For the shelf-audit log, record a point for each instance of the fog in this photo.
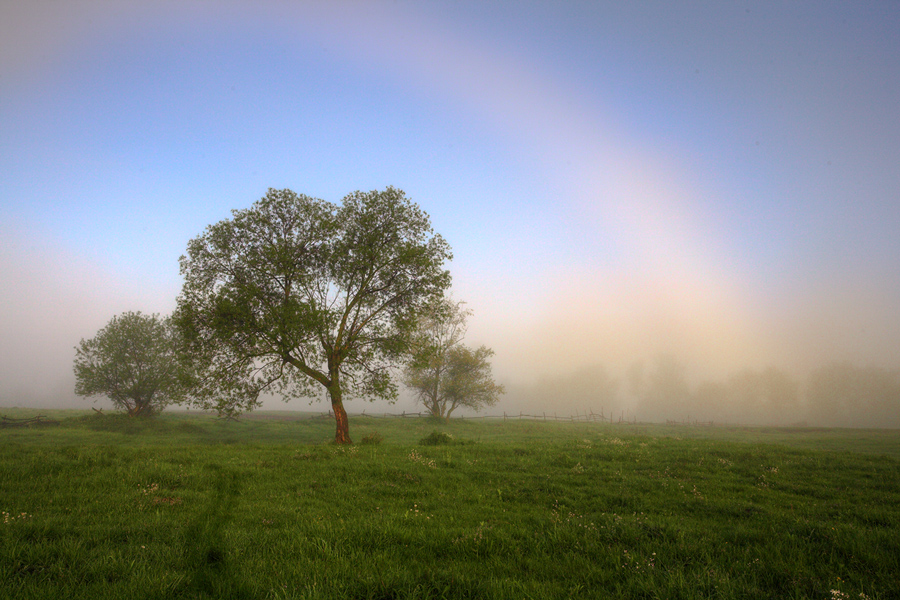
(51, 299)
(680, 222)
(625, 352)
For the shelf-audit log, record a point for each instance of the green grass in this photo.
(187, 506)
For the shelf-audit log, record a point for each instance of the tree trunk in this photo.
(450, 409)
(342, 432)
(138, 409)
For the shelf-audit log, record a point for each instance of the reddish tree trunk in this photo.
(342, 425)
(342, 434)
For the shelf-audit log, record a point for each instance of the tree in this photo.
(767, 395)
(845, 395)
(470, 382)
(667, 393)
(134, 361)
(587, 386)
(299, 296)
(444, 373)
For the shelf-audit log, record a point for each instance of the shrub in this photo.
(437, 438)
(372, 438)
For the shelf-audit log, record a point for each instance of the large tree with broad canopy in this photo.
(298, 296)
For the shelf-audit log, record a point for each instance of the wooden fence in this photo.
(691, 423)
(38, 421)
(586, 417)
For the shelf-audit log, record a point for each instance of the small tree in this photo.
(134, 361)
(299, 296)
(470, 382)
(444, 373)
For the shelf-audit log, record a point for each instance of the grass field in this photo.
(187, 506)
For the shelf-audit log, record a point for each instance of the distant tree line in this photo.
(839, 394)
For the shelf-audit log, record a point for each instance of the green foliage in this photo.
(542, 510)
(134, 361)
(437, 438)
(469, 380)
(444, 373)
(299, 297)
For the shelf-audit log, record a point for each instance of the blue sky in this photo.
(717, 180)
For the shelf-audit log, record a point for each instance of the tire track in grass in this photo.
(210, 568)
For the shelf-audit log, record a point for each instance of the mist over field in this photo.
(559, 366)
(553, 367)
(662, 212)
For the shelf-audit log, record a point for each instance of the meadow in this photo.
(189, 506)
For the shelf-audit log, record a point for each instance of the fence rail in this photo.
(691, 423)
(39, 420)
(586, 417)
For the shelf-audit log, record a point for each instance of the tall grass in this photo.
(191, 507)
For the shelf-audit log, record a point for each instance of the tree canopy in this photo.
(298, 296)
(843, 394)
(134, 361)
(444, 373)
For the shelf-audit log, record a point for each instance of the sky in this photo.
(713, 180)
